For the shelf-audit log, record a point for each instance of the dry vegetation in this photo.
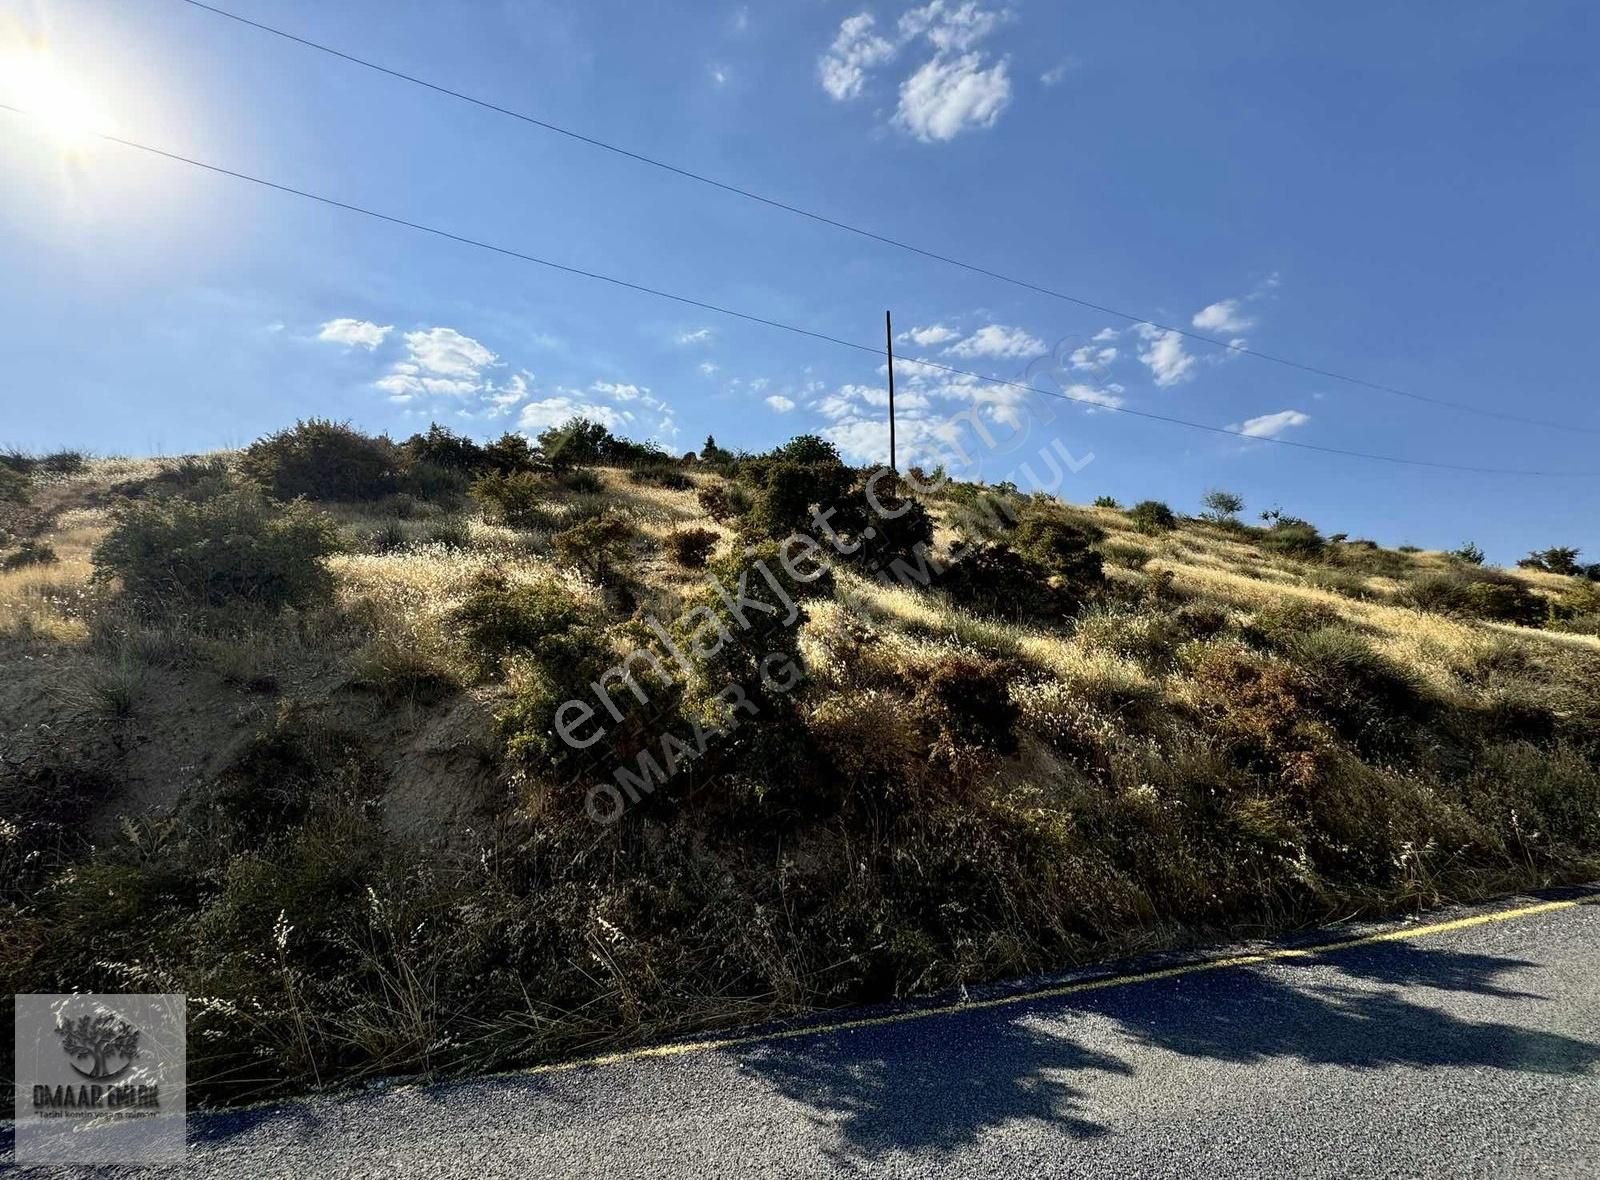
(298, 762)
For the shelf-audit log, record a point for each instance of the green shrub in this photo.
(1106, 502)
(691, 548)
(970, 695)
(323, 460)
(13, 486)
(717, 503)
(519, 499)
(236, 547)
(441, 447)
(1222, 507)
(580, 442)
(997, 580)
(509, 453)
(1367, 699)
(790, 493)
(439, 484)
(1468, 553)
(1293, 538)
(584, 482)
(900, 544)
(29, 553)
(661, 475)
(1475, 594)
(499, 619)
(1152, 516)
(1351, 585)
(597, 546)
(1063, 548)
(1561, 559)
(1127, 555)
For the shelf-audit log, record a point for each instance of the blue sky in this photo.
(1405, 193)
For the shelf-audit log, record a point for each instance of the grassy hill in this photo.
(283, 732)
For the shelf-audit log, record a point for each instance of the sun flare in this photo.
(35, 83)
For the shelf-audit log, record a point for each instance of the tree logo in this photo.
(101, 1039)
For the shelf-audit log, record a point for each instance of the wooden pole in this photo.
(888, 343)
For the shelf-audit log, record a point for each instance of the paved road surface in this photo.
(1469, 1051)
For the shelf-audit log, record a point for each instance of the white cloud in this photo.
(949, 95)
(698, 336)
(354, 333)
(1090, 357)
(621, 391)
(780, 404)
(856, 49)
(719, 75)
(948, 27)
(709, 369)
(929, 336)
(1054, 76)
(999, 341)
(1105, 334)
(1093, 396)
(1164, 355)
(439, 362)
(1271, 425)
(553, 411)
(1225, 315)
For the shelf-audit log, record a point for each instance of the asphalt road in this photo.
(1469, 1051)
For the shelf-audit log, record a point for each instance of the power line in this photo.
(883, 239)
(749, 317)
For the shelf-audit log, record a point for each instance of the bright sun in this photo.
(33, 82)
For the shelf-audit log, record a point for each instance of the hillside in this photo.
(290, 730)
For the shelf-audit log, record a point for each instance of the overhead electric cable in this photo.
(882, 239)
(787, 327)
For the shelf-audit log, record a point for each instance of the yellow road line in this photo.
(1398, 934)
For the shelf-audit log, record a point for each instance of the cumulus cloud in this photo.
(948, 27)
(697, 336)
(439, 362)
(780, 404)
(1271, 425)
(1090, 395)
(354, 333)
(1225, 315)
(997, 340)
(553, 411)
(949, 95)
(1165, 356)
(1090, 357)
(857, 48)
(929, 336)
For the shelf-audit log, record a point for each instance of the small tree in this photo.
(1468, 553)
(1222, 507)
(1561, 559)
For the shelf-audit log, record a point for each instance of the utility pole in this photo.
(888, 344)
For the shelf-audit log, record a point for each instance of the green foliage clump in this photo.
(1222, 507)
(722, 502)
(323, 460)
(1064, 548)
(1290, 536)
(899, 546)
(1475, 594)
(581, 442)
(996, 580)
(499, 619)
(1559, 559)
(691, 548)
(29, 553)
(1469, 553)
(970, 696)
(1152, 516)
(234, 548)
(661, 475)
(520, 499)
(442, 447)
(790, 493)
(1106, 502)
(597, 545)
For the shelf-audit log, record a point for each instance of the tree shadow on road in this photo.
(940, 1083)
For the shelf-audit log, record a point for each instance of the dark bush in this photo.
(519, 499)
(661, 475)
(1293, 538)
(1106, 502)
(808, 450)
(1064, 548)
(971, 697)
(790, 493)
(997, 580)
(1152, 516)
(597, 546)
(13, 486)
(1475, 594)
(583, 443)
(1561, 559)
(583, 481)
(900, 544)
(723, 502)
(1468, 553)
(435, 483)
(691, 548)
(510, 453)
(499, 619)
(236, 547)
(442, 447)
(323, 460)
(1367, 699)
(29, 553)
